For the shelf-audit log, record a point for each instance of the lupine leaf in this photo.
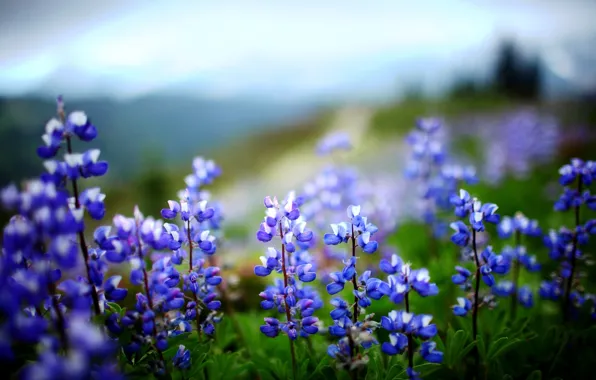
(424, 369)
(394, 370)
(320, 367)
(535, 375)
(454, 350)
(500, 346)
(481, 347)
(374, 365)
(115, 308)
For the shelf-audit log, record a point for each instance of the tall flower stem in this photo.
(354, 281)
(410, 339)
(60, 320)
(353, 347)
(82, 242)
(288, 315)
(194, 295)
(475, 306)
(567, 302)
(147, 289)
(515, 271)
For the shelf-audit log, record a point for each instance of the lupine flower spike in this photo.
(404, 326)
(486, 263)
(564, 245)
(351, 331)
(42, 310)
(517, 226)
(297, 302)
(437, 179)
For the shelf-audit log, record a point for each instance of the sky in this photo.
(271, 48)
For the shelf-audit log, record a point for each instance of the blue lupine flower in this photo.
(577, 168)
(570, 198)
(550, 290)
(182, 358)
(112, 292)
(397, 344)
(503, 288)
(340, 234)
(40, 246)
(400, 324)
(508, 226)
(293, 262)
(339, 279)
(92, 199)
(393, 266)
(483, 212)
(462, 203)
(525, 296)
(462, 276)
(429, 353)
(270, 262)
(333, 142)
(564, 244)
(463, 307)
(462, 234)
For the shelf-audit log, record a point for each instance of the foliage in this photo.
(62, 316)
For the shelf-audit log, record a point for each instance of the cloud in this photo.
(307, 45)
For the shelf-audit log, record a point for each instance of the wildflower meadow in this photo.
(443, 270)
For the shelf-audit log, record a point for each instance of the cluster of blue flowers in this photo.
(517, 226)
(565, 244)
(486, 263)
(437, 179)
(43, 243)
(403, 326)
(46, 304)
(55, 287)
(288, 296)
(347, 326)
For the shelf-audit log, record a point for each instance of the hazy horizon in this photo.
(275, 50)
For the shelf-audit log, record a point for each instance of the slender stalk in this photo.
(288, 315)
(567, 304)
(194, 295)
(60, 321)
(353, 348)
(147, 289)
(82, 242)
(410, 339)
(475, 306)
(354, 281)
(515, 273)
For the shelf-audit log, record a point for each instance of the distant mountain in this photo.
(175, 128)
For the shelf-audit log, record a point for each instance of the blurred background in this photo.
(254, 85)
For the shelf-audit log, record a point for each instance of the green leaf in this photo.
(302, 370)
(319, 368)
(114, 307)
(535, 375)
(426, 369)
(481, 347)
(456, 348)
(500, 346)
(394, 371)
(375, 365)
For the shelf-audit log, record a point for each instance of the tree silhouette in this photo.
(515, 76)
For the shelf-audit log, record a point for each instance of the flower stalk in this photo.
(286, 306)
(569, 285)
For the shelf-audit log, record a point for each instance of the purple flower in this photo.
(462, 235)
(463, 307)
